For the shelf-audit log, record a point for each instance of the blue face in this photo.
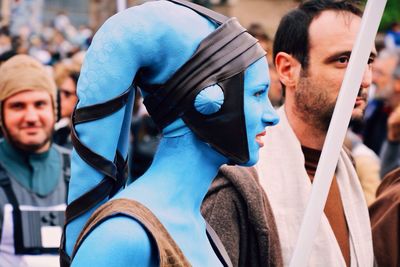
(258, 110)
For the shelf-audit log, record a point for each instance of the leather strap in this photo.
(224, 53)
(98, 111)
(5, 183)
(101, 164)
(218, 246)
(210, 14)
(115, 172)
(66, 163)
(210, 47)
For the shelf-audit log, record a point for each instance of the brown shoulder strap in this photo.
(169, 252)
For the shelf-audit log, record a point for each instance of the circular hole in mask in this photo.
(209, 100)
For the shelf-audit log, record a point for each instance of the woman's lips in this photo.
(259, 140)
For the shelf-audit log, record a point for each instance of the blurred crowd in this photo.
(61, 47)
(59, 42)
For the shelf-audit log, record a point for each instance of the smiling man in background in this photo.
(33, 171)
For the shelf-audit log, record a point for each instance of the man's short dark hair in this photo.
(292, 34)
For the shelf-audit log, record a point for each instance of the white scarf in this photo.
(285, 180)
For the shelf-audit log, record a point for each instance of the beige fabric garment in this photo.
(285, 180)
(368, 169)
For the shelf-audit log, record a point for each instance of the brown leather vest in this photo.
(169, 252)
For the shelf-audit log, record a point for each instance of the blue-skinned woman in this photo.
(205, 84)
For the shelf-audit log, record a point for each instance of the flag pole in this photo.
(121, 5)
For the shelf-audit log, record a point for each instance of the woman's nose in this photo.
(270, 117)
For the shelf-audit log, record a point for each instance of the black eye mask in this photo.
(221, 58)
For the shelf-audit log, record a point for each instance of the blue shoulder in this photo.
(117, 242)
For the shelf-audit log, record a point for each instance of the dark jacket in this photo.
(237, 208)
(385, 221)
(375, 124)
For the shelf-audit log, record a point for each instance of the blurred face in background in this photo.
(382, 70)
(5, 43)
(68, 96)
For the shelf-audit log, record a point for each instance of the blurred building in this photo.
(95, 12)
(77, 10)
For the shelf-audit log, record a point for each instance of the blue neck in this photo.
(181, 173)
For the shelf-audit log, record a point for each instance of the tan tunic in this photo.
(333, 207)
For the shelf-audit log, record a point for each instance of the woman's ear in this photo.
(288, 69)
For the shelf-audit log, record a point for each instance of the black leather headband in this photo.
(227, 51)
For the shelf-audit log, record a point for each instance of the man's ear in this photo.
(288, 69)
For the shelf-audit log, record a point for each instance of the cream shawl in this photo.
(284, 178)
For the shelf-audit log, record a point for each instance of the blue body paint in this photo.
(161, 37)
